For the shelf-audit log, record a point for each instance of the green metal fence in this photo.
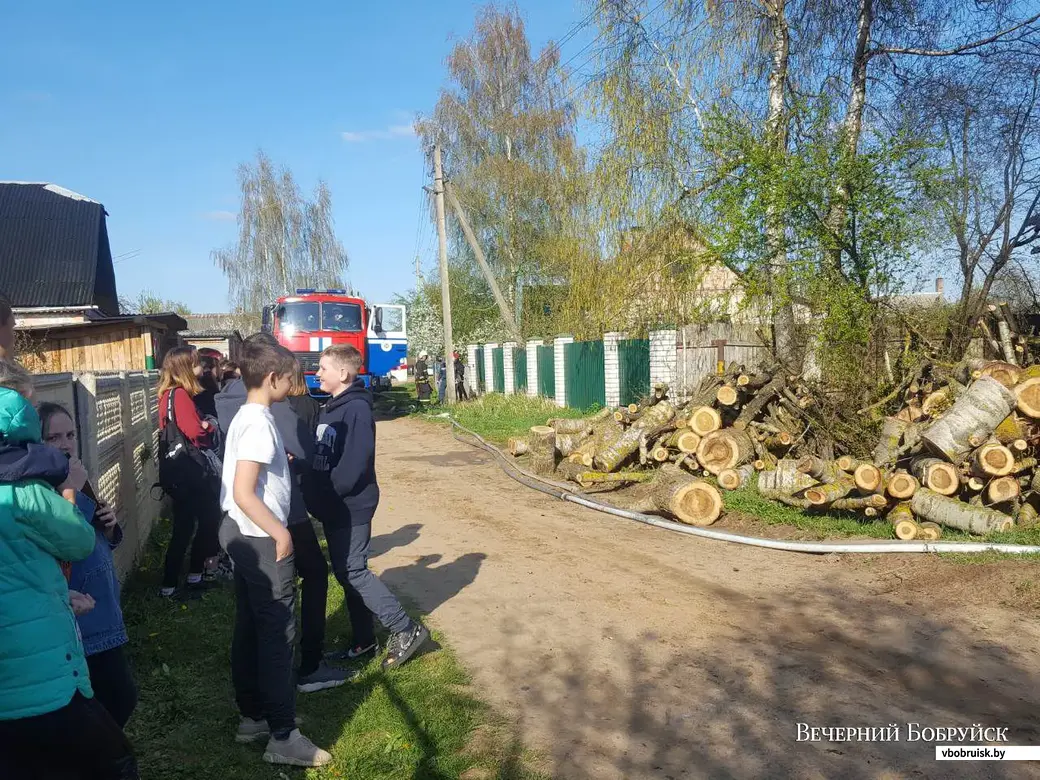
(520, 370)
(481, 377)
(498, 370)
(586, 384)
(634, 369)
(546, 371)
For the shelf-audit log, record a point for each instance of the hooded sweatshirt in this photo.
(344, 479)
(41, 656)
(298, 440)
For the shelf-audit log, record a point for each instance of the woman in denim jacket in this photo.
(103, 630)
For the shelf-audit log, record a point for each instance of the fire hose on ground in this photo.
(565, 492)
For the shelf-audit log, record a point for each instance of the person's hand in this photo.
(77, 476)
(81, 603)
(106, 516)
(282, 545)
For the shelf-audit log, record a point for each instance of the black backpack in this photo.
(182, 465)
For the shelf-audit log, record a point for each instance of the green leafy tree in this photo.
(148, 302)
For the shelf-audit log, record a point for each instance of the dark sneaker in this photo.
(353, 653)
(297, 750)
(324, 677)
(404, 645)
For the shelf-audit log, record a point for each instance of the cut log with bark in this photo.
(727, 395)
(993, 459)
(903, 523)
(868, 478)
(688, 500)
(731, 479)
(725, 449)
(616, 449)
(1027, 516)
(754, 407)
(952, 513)
(517, 446)
(567, 425)
(542, 446)
(902, 486)
(973, 416)
(928, 531)
(567, 443)
(703, 420)
(830, 492)
(885, 453)
(937, 475)
(859, 503)
(1027, 395)
(1003, 489)
(1008, 374)
(784, 479)
(819, 469)
(683, 440)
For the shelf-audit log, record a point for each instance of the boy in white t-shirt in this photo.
(254, 494)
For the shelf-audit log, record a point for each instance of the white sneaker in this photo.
(297, 750)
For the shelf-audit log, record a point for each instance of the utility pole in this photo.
(503, 305)
(442, 241)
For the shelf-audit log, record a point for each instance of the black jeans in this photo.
(80, 741)
(191, 507)
(113, 683)
(365, 592)
(265, 629)
(313, 570)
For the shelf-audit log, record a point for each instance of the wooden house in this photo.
(56, 272)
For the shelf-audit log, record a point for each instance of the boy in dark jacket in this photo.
(344, 497)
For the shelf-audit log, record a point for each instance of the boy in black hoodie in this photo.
(344, 496)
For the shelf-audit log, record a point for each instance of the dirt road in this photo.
(622, 651)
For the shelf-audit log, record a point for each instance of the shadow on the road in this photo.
(402, 537)
(431, 585)
(732, 709)
(450, 459)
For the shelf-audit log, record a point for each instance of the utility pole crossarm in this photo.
(503, 304)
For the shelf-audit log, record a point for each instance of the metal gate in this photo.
(520, 370)
(481, 377)
(498, 370)
(634, 370)
(546, 371)
(586, 384)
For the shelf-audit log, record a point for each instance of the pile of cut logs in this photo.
(961, 453)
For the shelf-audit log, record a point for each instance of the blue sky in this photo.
(149, 108)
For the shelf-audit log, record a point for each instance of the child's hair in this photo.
(178, 370)
(258, 361)
(13, 376)
(299, 383)
(47, 410)
(345, 356)
(262, 338)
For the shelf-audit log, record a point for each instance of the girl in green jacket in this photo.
(50, 721)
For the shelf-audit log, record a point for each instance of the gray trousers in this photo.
(265, 629)
(366, 595)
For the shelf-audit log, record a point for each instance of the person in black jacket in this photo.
(296, 420)
(344, 495)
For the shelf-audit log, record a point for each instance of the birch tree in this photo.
(284, 240)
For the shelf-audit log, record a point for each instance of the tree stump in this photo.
(542, 446)
(973, 417)
(952, 513)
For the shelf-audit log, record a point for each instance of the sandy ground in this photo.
(622, 651)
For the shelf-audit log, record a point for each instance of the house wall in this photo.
(96, 349)
(221, 345)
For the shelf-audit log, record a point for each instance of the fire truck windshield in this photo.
(341, 317)
(298, 318)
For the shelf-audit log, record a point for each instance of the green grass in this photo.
(419, 721)
(496, 417)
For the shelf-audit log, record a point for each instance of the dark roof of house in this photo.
(54, 249)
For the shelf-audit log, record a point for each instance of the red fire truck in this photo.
(311, 320)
